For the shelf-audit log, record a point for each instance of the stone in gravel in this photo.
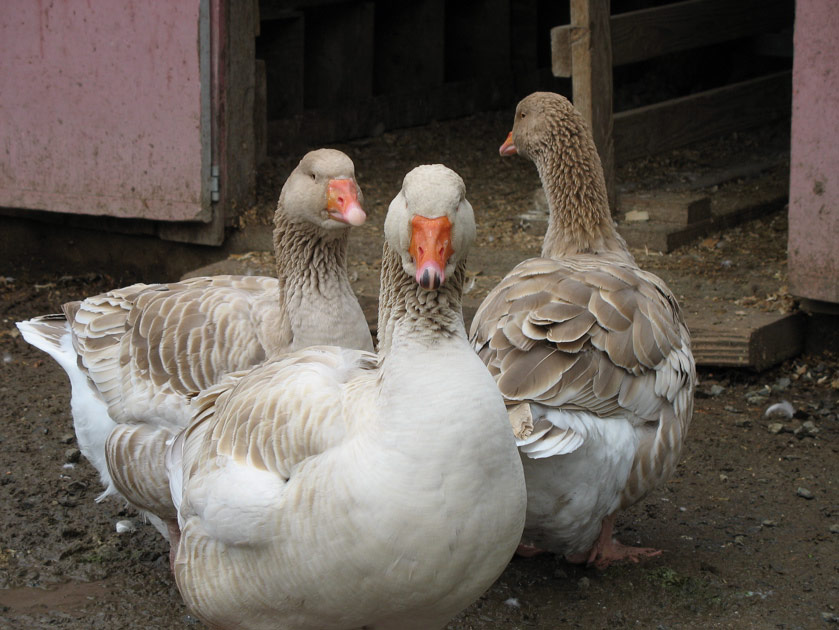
(829, 617)
(782, 383)
(804, 493)
(72, 455)
(716, 390)
(125, 527)
(775, 428)
(756, 398)
(781, 409)
(769, 522)
(834, 529)
(67, 438)
(583, 583)
(810, 427)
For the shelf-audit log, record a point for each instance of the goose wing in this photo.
(145, 347)
(254, 432)
(583, 334)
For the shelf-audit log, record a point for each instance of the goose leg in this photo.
(528, 551)
(606, 550)
(174, 540)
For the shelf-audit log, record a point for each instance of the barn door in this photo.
(105, 108)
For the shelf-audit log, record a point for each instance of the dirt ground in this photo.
(749, 525)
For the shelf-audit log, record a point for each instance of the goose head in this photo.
(546, 123)
(550, 132)
(430, 224)
(322, 191)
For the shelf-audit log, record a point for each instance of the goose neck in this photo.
(409, 314)
(579, 221)
(308, 259)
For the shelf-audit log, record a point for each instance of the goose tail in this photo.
(91, 422)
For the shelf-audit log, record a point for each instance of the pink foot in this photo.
(606, 550)
(528, 551)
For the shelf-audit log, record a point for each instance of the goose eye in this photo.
(314, 177)
(522, 115)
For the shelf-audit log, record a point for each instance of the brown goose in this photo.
(136, 355)
(590, 352)
(339, 489)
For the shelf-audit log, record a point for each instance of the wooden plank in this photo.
(561, 51)
(677, 122)
(476, 49)
(647, 33)
(665, 237)
(260, 112)
(668, 207)
(756, 340)
(591, 60)
(409, 46)
(338, 43)
(281, 47)
(316, 127)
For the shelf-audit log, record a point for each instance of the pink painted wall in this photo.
(814, 160)
(100, 108)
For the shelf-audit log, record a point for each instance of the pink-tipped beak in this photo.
(431, 248)
(342, 202)
(508, 148)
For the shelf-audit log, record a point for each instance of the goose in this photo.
(136, 355)
(340, 489)
(590, 352)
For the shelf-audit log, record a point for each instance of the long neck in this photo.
(407, 311)
(579, 221)
(308, 259)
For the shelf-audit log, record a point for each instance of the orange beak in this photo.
(342, 202)
(508, 148)
(431, 247)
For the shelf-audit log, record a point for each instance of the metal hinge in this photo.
(214, 185)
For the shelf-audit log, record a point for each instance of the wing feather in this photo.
(586, 335)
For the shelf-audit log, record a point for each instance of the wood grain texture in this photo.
(680, 121)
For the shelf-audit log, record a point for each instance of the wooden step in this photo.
(732, 204)
(681, 208)
(746, 338)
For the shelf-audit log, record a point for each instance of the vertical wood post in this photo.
(591, 62)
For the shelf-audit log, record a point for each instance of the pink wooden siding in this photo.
(100, 108)
(814, 160)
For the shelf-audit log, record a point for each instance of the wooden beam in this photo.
(591, 59)
(648, 33)
(561, 51)
(682, 208)
(755, 339)
(680, 121)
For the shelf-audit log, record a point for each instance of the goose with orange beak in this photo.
(430, 245)
(137, 355)
(339, 489)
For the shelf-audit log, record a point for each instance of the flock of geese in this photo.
(304, 481)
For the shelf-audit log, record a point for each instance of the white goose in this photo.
(136, 355)
(590, 352)
(338, 489)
